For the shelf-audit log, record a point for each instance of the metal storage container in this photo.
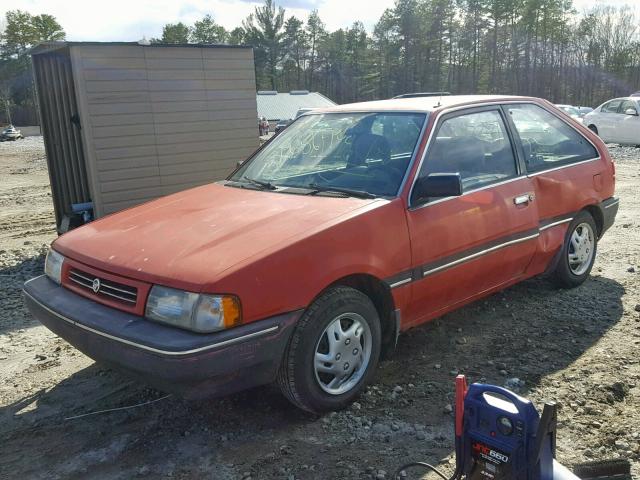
(124, 123)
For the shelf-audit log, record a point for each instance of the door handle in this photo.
(523, 199)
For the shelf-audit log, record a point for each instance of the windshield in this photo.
(367, 152)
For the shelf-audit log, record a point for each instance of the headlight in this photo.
(53, 265)
(198, 312)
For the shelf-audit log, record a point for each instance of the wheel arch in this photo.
(380, 295)
(598, 216)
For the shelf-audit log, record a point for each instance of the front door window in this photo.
(475, 145)
(611, 107)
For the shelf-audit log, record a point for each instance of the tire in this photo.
(593, 128)
(575, 263)
(299, 377)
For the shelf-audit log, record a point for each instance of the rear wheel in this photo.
(578, 252)
(333, 351)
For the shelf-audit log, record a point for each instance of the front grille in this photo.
(108, 289)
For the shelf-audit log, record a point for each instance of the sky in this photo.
(131, 20)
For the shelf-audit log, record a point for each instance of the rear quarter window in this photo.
(547, 141)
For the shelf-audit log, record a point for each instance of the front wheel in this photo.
(333, 351)
(578, 252)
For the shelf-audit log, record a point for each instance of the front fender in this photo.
(375, 242)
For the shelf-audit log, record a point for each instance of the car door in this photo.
(463, 246)
(629, 124)
(608, 120)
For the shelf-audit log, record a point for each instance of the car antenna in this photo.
(440, 97)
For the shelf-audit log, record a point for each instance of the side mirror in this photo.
(438, 185)
(631, 111)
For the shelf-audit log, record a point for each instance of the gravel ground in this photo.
(576, 347)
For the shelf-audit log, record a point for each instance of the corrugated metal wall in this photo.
(63, 143)
(153, 120)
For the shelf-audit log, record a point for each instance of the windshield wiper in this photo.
(260, 183)
(315, 188)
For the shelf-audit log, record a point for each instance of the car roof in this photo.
(421, 104)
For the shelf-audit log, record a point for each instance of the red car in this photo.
(355, 223)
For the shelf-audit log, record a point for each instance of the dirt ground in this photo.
(577, 347)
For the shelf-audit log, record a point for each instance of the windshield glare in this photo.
(358, 151)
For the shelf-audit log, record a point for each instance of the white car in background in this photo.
(572, 111)
(616, 121)
(10, 133)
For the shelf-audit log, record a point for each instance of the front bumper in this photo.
(190, 364)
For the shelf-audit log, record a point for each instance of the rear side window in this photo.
(547, 141)
(476, 146)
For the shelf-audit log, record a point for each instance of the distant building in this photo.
(284, 106)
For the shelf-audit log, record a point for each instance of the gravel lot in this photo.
(577, 347)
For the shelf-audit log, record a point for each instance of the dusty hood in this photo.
(192, 237)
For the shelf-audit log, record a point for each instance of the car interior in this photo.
(371, 152)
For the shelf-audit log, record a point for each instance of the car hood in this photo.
(190, 238)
